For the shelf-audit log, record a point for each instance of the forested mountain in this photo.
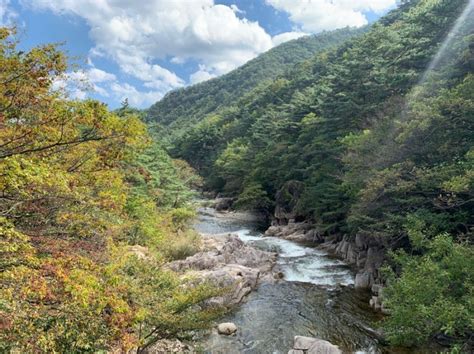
(373, 137)
(191, 104)
(340, 118)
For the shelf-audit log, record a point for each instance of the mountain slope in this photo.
(191, 104)
(298, 126)
(371, 143)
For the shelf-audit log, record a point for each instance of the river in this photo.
(316, 298)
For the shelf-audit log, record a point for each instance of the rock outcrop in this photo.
(228, 263)
(222, 204)
(366, 252)
(308, 345)
(167, 346)
(295, 231)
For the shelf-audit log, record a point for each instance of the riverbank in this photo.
(365, 253)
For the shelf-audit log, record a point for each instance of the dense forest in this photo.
(372, 137)
(190, 105)
(357, 132)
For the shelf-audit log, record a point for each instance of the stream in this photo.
(315, 299)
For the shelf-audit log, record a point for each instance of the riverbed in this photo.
(316, 297)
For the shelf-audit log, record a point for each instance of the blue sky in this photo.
(142, 49)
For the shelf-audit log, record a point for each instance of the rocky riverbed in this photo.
(305, 292)
(285, 294)
(227, 262)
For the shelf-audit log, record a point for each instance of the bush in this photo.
(434, 293)
(181, 245)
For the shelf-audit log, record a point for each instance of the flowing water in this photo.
(316, 298)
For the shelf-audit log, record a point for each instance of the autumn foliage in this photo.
(73, 200)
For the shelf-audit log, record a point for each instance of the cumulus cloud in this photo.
(78, 85)
(318, 15)
(138, 34)
(287, 36)
(7, 15)
(135, 97)
(142, 37)
(201, 75)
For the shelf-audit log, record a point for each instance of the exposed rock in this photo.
(168, 346)
(385, 310)
(376, 288)
(362, 280)
(227, 328)
(294, 231)
(313, 346)
(139, 251)
(279, 275)
(228, 263)
(221, 204)
(287, 200)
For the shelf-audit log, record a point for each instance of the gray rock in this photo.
(299, 232)
(227, 263)
(376, 288)
(168, 346)
(221, 204)
(227, 328)
(314, 346)
(362, 280)
(385, 310)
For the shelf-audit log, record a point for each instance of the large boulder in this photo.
(221, 204)
(310, 345)
(227, 328)
(294, 231)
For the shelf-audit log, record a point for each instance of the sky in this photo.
(142, 49)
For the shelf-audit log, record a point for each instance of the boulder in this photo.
(385, 310)
(294, 231)
(377, 289)
(362, 280)
(227, 328)
(222, 204)
(313, 346)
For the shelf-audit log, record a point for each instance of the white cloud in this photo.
(139, 34)
(236, 9)
(7, 15)
(318, 15)
(201, 75)
(97, 76)
(135, 97)
(287, 36)
(78, 84)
